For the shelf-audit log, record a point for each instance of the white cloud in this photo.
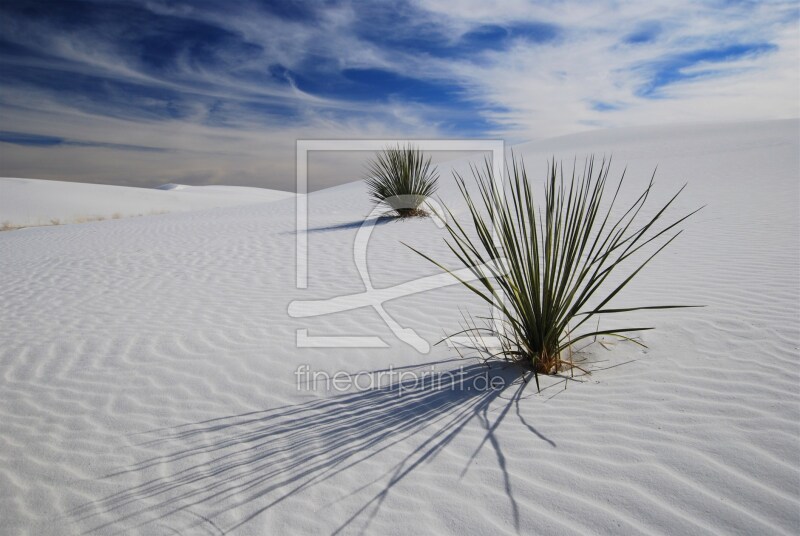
(548, 89)
(530, 90)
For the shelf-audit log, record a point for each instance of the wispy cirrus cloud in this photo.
(222, 90)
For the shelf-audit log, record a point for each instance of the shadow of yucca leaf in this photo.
(557, 258)
(220, 474)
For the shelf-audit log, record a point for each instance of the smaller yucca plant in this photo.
(402, 178)
(557, 259)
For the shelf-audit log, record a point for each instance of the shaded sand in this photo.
(148, 373)
(34, 202)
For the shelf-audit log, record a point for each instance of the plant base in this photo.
(410, 213)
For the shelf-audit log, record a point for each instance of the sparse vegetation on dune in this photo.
(9, 226)
(88, 219)
(402, 178)
(557, 258)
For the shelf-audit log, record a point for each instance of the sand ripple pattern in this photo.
(148, 374)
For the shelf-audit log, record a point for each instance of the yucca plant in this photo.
(556, 259)
(402, 178)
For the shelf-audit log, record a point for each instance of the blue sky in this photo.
(148, 92)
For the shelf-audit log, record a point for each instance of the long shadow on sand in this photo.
(220, 474)
(374, 222)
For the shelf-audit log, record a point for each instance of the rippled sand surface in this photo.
(149, 381)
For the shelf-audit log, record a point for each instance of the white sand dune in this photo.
(148, 372)
(32, 202)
